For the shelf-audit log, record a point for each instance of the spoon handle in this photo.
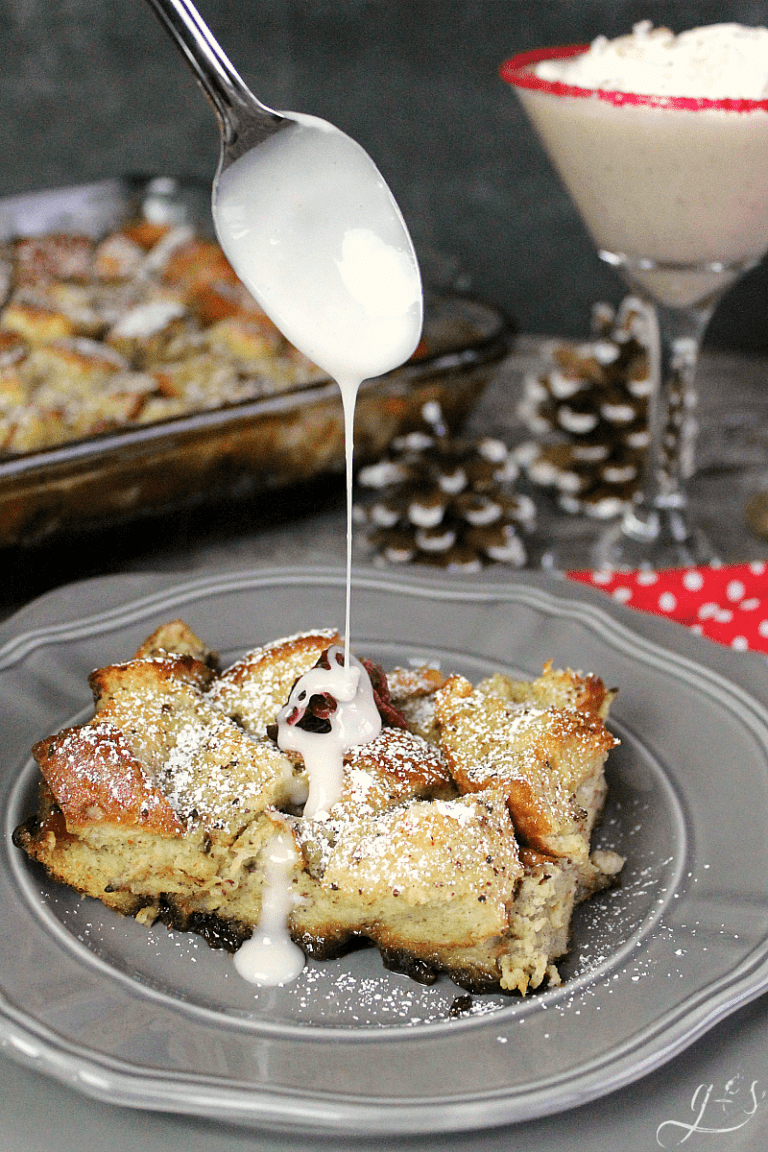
(232, 100)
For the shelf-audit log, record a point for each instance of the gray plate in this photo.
(157, 1020)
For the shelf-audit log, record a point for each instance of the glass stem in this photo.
(659, 514)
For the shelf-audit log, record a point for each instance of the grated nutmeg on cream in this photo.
(716, 62)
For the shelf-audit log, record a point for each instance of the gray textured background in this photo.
(91, 88)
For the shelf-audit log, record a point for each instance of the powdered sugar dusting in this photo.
(408, 856)
(256, 687)
(719, 61)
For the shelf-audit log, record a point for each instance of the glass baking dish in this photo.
(242, 448)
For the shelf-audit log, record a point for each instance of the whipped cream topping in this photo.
(716, 62)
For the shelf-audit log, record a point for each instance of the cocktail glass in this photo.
(674, 192)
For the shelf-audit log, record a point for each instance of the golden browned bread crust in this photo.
(178, 638)
(417, 879)
(459, 843)
(547, 759)
(114, 790)
(556, 688)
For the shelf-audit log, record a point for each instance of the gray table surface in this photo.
(731, 464)
(715, 1096)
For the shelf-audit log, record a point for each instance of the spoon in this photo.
(244, 121)
(312, 230)
(306, 220)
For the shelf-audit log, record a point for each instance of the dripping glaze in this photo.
(313, 231)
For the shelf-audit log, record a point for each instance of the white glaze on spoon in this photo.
(313, 231)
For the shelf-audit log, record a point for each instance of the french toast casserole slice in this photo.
(460, 842)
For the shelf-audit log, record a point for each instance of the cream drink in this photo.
(313, 231)
(662, 141)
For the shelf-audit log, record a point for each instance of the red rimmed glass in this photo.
(674, 192)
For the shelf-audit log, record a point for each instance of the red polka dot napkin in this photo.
(728, 603)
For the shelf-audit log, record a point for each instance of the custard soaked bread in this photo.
(459, 840)
(546, 758)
